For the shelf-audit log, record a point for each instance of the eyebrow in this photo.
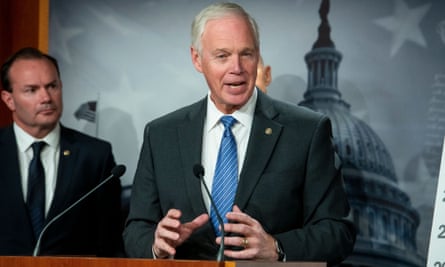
(38, 85)
(226, 50)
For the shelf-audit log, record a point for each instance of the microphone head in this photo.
(198, 170)
(118, 170)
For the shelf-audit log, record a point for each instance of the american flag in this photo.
(86, 111)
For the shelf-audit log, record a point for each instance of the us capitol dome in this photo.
(385, 220)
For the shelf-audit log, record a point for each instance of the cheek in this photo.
(26, 105)
(22, 104)
(214, 72)
(24, 112)
(56, 96)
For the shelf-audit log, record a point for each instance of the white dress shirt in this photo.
(213, 131)
(48, 155)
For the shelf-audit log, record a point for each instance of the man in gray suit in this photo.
(290, 203)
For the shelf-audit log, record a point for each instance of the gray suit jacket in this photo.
(290, 182)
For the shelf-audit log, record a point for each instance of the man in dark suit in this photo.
(290, 203)
(71, 164)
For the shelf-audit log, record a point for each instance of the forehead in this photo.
(24, 63)
(25, 68)
(229, 27)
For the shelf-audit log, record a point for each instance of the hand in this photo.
(170, 233)
(259, 245)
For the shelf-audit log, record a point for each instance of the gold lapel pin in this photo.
(268, 131)
(66, 152)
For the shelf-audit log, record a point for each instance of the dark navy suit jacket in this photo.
(92, 228)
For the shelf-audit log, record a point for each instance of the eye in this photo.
(29, 89)
(53, 85)
(247, 54)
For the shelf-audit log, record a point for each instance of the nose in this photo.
(237, 66)
(44, 95)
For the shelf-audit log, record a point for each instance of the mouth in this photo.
(236, 84)
(47, 109)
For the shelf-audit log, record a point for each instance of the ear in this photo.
(196, 59)
(267, 75)
(8, 100)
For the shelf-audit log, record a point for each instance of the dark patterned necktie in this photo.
(36, 190)
(225, 180)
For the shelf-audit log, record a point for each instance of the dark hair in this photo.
(24, 53)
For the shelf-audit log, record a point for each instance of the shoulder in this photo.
(74, 136)
(6, 134)
(300, 121)
(181, 115)
(289, 113)
(4, 131)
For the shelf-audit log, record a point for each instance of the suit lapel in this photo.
(65, 173)
(263, 137)
(190, 142)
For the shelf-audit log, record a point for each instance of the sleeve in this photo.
(328, 233)
(145, 209)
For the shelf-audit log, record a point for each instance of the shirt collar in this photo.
(24, 140)
(244, 115)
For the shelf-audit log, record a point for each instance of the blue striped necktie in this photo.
(36, 190)
(225, 180)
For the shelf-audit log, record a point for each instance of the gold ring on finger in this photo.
(245, 242)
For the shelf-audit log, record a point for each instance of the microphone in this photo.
(117, 171)
(198, 170)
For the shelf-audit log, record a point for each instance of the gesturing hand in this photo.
(170, 233)
(258, 244)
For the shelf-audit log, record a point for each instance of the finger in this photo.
(173, 214)
(198, 221)
(237, 228)
(244, 254)
(238, 216)
(163, 243)
(240, 242)
(236, 208)
(168, 227)
(171, 219)
(168, 233)
(162, 249)
(167, 224)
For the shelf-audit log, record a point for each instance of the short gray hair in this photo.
(216, 11)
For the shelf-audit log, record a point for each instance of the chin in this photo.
(49, 122)
(238, 100)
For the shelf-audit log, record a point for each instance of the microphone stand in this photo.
(116, 172)
(199, 172)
